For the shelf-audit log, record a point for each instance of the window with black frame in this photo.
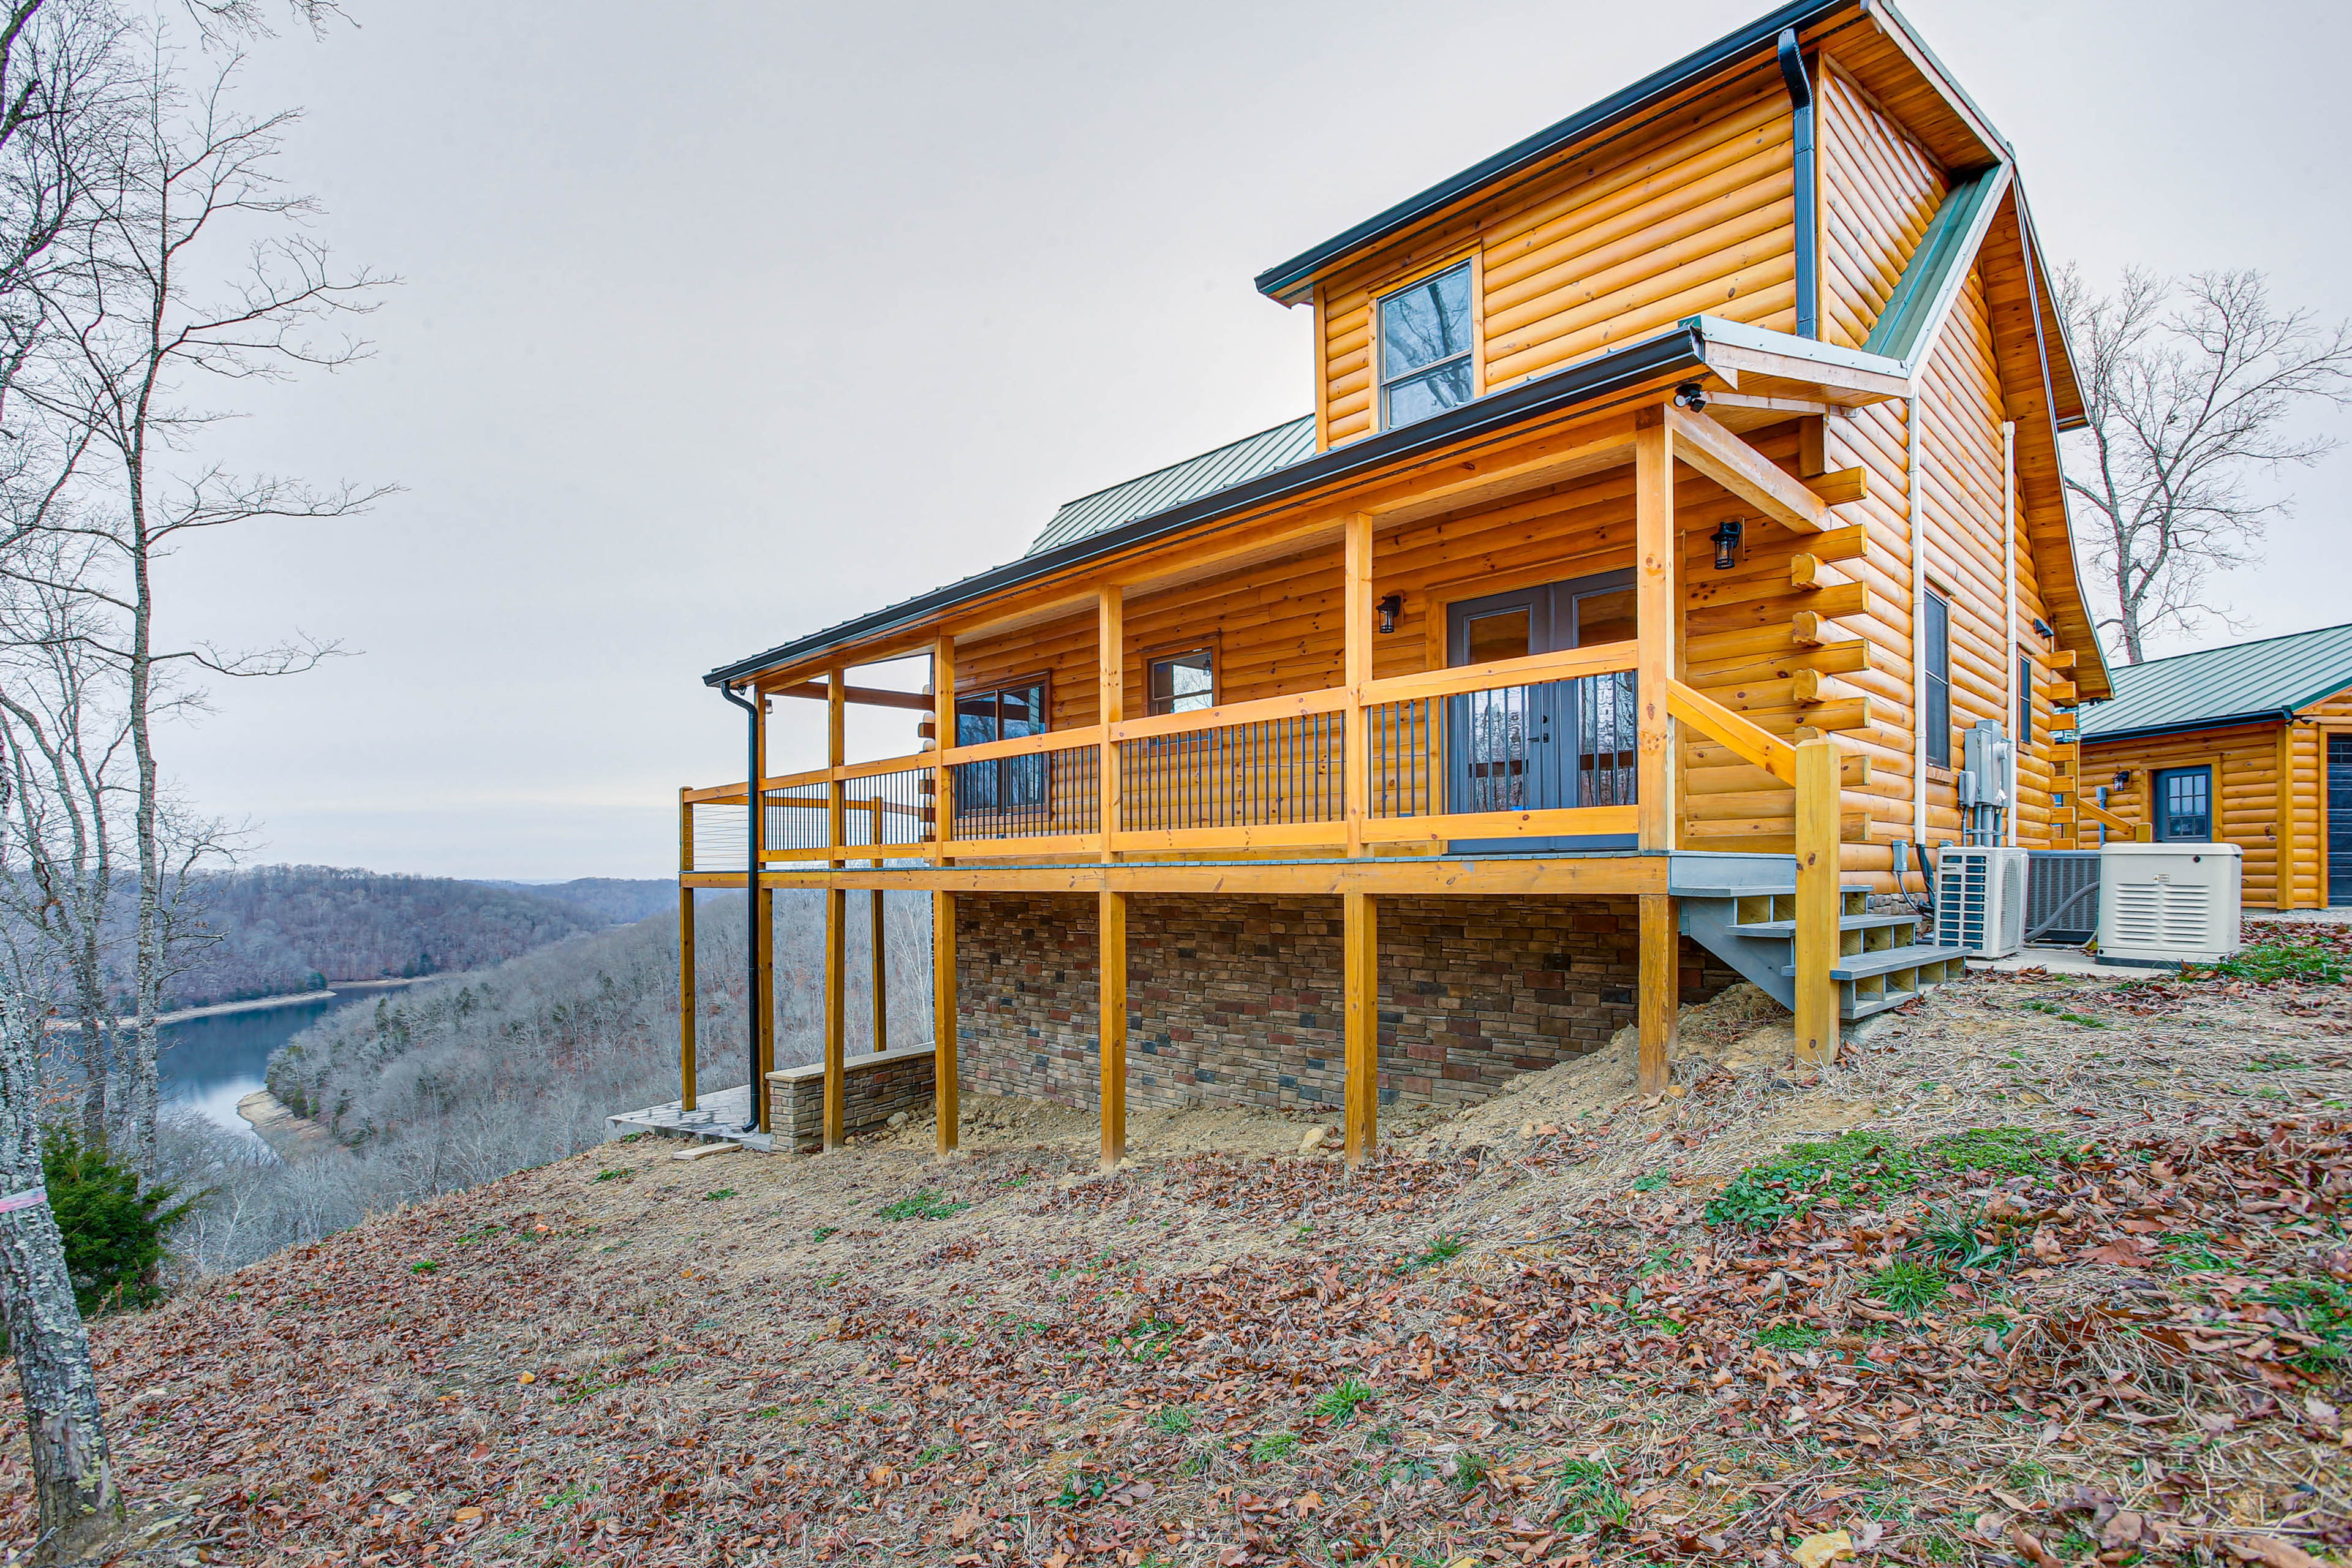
(1005, 789)
(1425, 359)
(1936, 658)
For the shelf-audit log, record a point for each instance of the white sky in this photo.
(719, 330)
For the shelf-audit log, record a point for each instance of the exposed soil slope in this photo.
(2117, 1332)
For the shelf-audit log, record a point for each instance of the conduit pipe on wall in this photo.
(1808, 203)
(751, 837)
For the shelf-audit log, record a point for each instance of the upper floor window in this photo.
(1183, 681)
(1425, 348)
(1005, 714)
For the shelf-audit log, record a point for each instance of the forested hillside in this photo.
(275, 930)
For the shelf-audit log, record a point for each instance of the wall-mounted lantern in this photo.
(1391, 607)
(1726, 538)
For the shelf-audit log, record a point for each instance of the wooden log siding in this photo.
(1880, 190)
(1692, 214)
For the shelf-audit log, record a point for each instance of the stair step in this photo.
(1786, 930)
(1869, 965)
(1777, 890)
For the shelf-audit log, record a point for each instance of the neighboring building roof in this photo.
(2251, 683)
(1235, 463)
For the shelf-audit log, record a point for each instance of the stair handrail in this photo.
(1750, 741)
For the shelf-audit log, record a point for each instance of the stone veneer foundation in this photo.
(1236, 1001)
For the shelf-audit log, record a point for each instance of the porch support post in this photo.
(1659, 990)
(837, 917)
(1110, 703)
(1360, 946)
(2283, 862)
(1111, 923)
(1657, 609)
(1818, 899)
(943, 735)
(685, 999)
(946, 1085)
(1355, 763)
(836, 696)
(880, 972)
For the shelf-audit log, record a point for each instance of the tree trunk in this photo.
(73, 1480)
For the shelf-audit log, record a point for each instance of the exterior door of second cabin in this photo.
(2339, 821)
(1556, 744)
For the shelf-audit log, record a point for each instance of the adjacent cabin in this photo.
(1682, 484)
(2249, 746)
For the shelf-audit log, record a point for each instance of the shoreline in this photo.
(258, 1004)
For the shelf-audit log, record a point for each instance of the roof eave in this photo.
(2188, 726)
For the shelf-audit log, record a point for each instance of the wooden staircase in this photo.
(1743, 909)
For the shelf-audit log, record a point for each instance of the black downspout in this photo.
(1809, 239)
(751, 897)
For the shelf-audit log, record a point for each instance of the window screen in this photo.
(1935, 630)
(1425, 348)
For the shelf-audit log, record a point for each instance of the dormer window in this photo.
(1425, 348)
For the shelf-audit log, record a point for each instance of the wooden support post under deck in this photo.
(1657, 618)
(1360, 941)
(1110, 700)
(1659, 980)
(837, 913)
(1818, 901)
(686, 1001)
(1356, 598)
(881, 975)
(1111, 920)
(945, 1083)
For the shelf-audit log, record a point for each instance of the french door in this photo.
(1549, 745)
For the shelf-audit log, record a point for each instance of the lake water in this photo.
(211, 1063)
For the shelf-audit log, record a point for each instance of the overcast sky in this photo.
(722, 322)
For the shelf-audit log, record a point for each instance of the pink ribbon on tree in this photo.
(28, 1198)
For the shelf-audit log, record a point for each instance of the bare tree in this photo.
(151, 314)
(2190, 387)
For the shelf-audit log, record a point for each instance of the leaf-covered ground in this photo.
(2055, 1271)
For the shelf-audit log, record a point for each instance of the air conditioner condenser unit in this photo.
(1981, 899)
(2162, 904)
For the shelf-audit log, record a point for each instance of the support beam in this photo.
(1658, 1009)
(1746, 472)
(837, 917)
(946, 1084)
(863, 696)
(1818, 897)
(1657, 619)
(1111, 700)
(1111, 975)
(1357, 599)
(764, 1007)
(880, 965)
(686, 1002)
(944, 736)
(836, 753)
(1360, 941)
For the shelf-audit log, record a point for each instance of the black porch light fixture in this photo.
(1390, 608)
(1726, 539)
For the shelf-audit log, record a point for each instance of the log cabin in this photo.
(1682, 481)
(2249, 746)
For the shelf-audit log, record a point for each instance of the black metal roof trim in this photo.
(1682, 347)
(1759, 38)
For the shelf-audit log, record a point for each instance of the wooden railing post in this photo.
(1110, 702)
(946, 1084)
(685, 998)
(1818, 899)
(1359, 942)
(1355, 749)
(836, 753)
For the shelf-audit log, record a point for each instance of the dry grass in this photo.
(623, 1358)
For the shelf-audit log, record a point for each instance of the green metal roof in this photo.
(1234, 463)
(2249, 683)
